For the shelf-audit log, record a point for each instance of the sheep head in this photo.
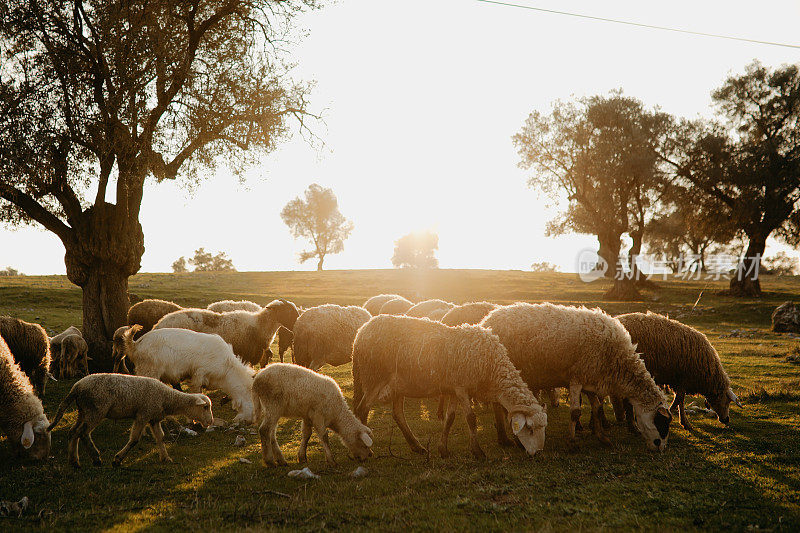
(528, 424)
(359, 441)
(32, 440)
(285, 312)
(721, 404)
(653, 425)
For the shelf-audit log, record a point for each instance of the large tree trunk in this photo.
(105, 308)
(639, 277)
(609, 251)
(745, 281)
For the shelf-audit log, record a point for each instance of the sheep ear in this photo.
(27, 435)
(366, 439)
(734, 399)
(517, 422)
(663, 412)
(51, 376)
(200, 400)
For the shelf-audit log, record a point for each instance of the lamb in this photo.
(147, 313)
(249, 333)
(69, 350)
(172, 355)
(117, 396)
(31, 348)
(557, 346)
(22, 418)
(374, 304)
(433, 309)
(681, 357)
(395, 357)
(469, 313)
(398, 306)
(286, 390)
(325, 334)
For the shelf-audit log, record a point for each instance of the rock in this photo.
(245, 460)
(305, 473)
(359, 472)
(786, 318)
(13, 508)
(240, 441)
(189, 432)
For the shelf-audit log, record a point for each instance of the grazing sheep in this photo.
(374, 304)
(469, 313)
(681, 357)
(249, 333)
(116, 396)
(22, 419)
(147, 313)
(398, 306)
(172, 355)
(286, 390)
(325, 334)
(433, 309)
(226, 306)
(395, 357)
(30, 346)
(69, 350)
(557, 346)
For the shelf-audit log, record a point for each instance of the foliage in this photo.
(318, 219)
(207, 262)
(179, 265)
(780, 264)
(9, 271)
(544, 266)
(416, 250)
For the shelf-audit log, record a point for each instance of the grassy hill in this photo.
(745, 476)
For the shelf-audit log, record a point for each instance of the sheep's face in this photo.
(360, 443)
(721, 404)
(118, 347)
(653, 426)
(200, 410)
(529, 427)
(32, 441)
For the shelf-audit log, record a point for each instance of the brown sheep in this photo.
(147, 313)
(31, 348)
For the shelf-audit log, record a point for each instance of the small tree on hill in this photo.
(206, 262)
(318, 219)
(416, 250)
(179, 266)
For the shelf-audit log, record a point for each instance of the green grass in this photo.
(745, 476)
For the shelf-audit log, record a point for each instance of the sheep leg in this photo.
(441, 408)
(448, 423)
(158, 434)
(500, 425)
(629, 415)
(575, 407)
(307, 427)
(322, 433)
(400, 418)
(597, 427)
(86, 438)
(136, 433)
(74, 436)
(679, 397)
(276, 450)
(619, 409)
(265, 431)
(472, 424)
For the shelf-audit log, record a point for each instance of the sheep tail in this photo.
(256, 408)
(65, 403)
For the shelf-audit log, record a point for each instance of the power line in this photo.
(639, 25)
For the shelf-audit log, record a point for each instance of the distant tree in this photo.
(544, 266)
(8, 271)
(749, 162)
(113, 95)
(206, 262)
(179, 266)
(318, 219)
(416, 250)
(602, 153)
(780, 264)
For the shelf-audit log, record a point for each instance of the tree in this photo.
(9, 271)
(98, 94)
(416, 250)
(179, 266)
(748, 163)
(318, 219)
(603, 154)
(544, 266)
(206, 262)
(780, 264)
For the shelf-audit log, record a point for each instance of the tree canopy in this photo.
(416, 250)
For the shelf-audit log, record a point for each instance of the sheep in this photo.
(681, 357)
(374, 304)
(69, 350)
(287, 390)
(325, 334)
(117, 396)
(395, 357)
(398, 306)
(557, 346)
(249, 333)
(22, 418)
(31, 348)
(226, 306)
(469, 313)
(147, 313)
(433, 309)
(172, 355)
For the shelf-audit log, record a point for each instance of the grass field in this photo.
(746, 476)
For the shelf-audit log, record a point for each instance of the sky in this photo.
(420, 99)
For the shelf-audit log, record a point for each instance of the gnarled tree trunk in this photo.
(624, 287)
(745, 280)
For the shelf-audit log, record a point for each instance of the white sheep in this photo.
(433, 309)
(226, 306)
(395, 357)
(557, 346)
(396, 306)
(287, 390)
(374, 304)
(325, 334)
(117, 396)
(22, 418)
(206, 360)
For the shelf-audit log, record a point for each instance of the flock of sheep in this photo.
(509, 356)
